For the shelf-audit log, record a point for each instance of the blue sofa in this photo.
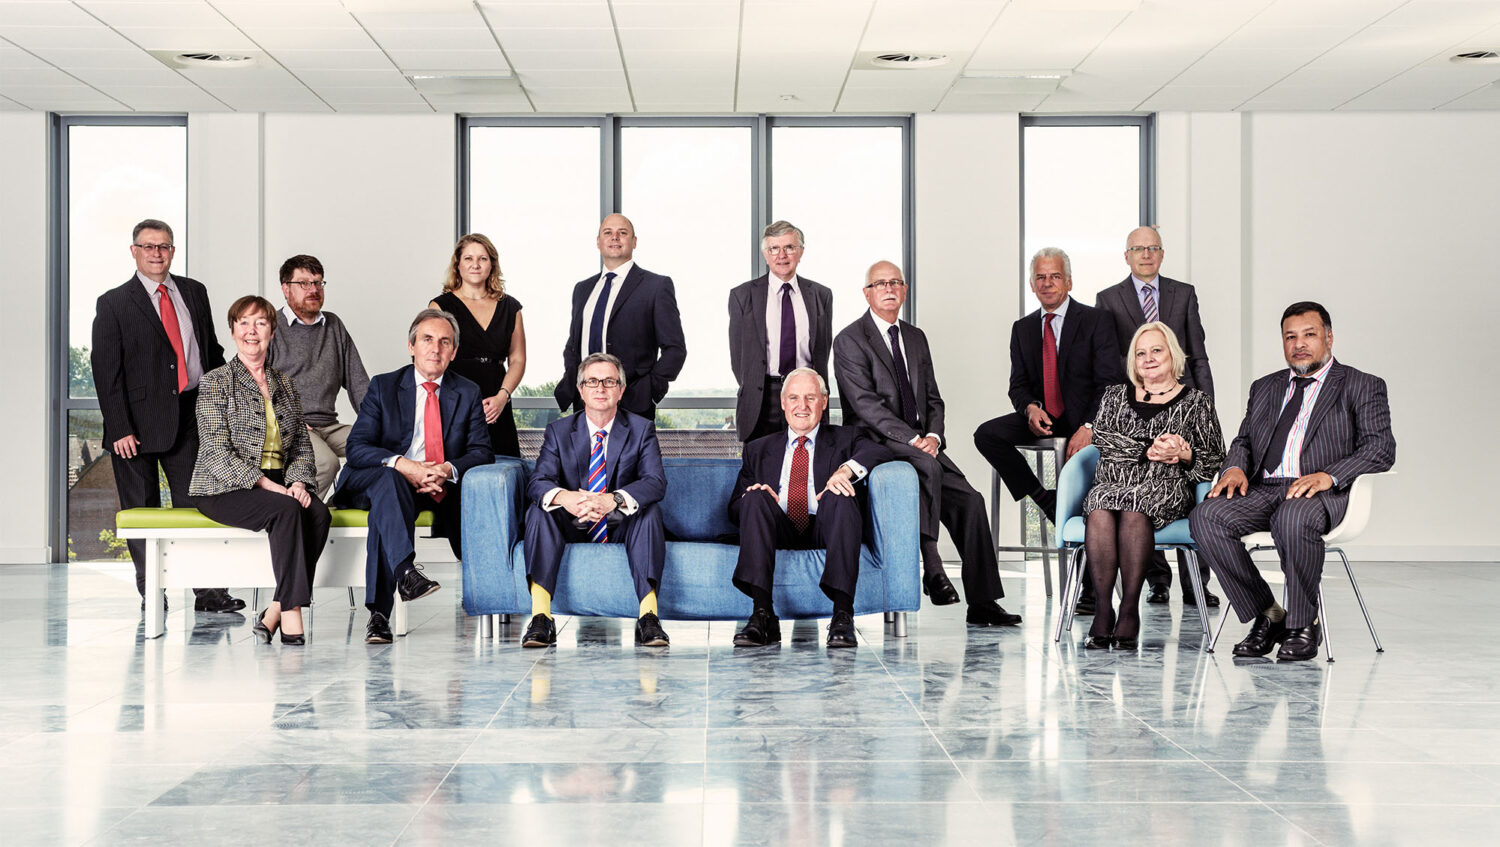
(595, 578)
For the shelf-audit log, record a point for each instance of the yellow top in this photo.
(270, 454)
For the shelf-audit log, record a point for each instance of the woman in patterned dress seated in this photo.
(1157, 438)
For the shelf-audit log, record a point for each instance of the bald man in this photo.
(630, 313)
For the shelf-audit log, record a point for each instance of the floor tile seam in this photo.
(99, 837)
(416, 812)
(1221, 775)
(530, 669)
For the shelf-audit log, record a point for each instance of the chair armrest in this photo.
(1357, 514)
(894, 528)
(491, 529)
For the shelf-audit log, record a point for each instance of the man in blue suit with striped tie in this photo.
(1308, 432)
(598, 480)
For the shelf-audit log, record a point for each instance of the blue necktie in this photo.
(597, 480)
(596, 326)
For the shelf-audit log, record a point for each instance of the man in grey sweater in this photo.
(313, 348)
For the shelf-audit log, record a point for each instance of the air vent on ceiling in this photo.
(213, 60)
(906, 61)
(1477, 57)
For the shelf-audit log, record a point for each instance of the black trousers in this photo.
(138, 479)
(297, 535)
(838, 526)
(771, 419)
(997, 438)
(947, 498)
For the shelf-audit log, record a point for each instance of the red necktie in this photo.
(174, 335)
(432, 431)
(796, 492)
(1052, 399)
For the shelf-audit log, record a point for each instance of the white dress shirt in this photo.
(786, 470)
(417, 452)
(588, 307)
(1291, 457)
(1059, 315)
(291, 317)
(184, 325)
(773, 324)
(549, 500)
(884, 326)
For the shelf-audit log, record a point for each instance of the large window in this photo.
(113, 172)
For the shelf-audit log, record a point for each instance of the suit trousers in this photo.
(1297, 527)
(771, 419)
(138, 479)
(391, 547)
(765, 528)
(946, 497)
(549, 533)
(328, 447)
(997, 438)
(297, 535)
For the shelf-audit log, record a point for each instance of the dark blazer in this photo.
(232, 431)
(388, 414)
(1348, 434)
(747, 341)
(135, 369)
(868, 392)
(1087, 361)
(645, 333)
(632, 459)
(833, 446)
(1177, 307)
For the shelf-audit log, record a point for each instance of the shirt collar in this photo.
(291, 317)
(620, 273)
(776, 282)
(607, 427)
(151, 287)
(420, 379)
(883, 324)
(1061, 311)
(1141, 283)
(812, 436)
(1319, 375)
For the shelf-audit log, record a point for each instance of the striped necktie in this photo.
(1148, 303)
(598, 477)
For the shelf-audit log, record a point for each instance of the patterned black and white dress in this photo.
(1126, 480)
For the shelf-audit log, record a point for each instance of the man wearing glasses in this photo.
(887, 386)
(598, 480)
(313, 348)
(1140, 298)
(153, 340)
(777, 324)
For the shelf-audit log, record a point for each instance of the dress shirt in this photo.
(786, 470)
(184, 325)
(549, 500)
(1140, 293)
(1291, 458)
(417, 452)
(884, 326)
(773, 325)
(588, 306)
(291, 316)
(1058, 316)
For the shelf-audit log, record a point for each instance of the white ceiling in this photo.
(721, 56)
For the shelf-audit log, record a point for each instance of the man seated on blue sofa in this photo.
(598, 479)
(796, 490)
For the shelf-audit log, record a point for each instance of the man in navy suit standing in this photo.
(796, 490)
(598, 479)
(419, 430)
(630, 313)
(1308, 432)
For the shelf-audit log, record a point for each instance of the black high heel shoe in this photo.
(295, 640)
(262, 631)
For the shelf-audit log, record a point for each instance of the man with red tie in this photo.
(419, 430)
(153, 340)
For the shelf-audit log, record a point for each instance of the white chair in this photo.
(1356, 518)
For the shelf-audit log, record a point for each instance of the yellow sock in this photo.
(541, 601)
(648, 604)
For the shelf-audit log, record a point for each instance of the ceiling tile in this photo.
(312, 39)
(561, 60)
(155, 15)
(44, 14)
(322, 79)
(14, 58)
(671, 80)
(45, 75)
(1200, 97)
(434, 39)
(1301, 97)
(172, 98)
(1343, 14)
(959, 102)
(944, 27)
(130, 57)
(1229, 66)
(337, 97)
(558, 39)
(1485, 98)
(160, 75)
(682, 61)
(452, 60)
(549, 80)
(677, 15)
(1257, 36)
(678, 39)
(333, 59)
(469, 19)
(260, 15)
(37, 37)
(188, 38)
(594, 13)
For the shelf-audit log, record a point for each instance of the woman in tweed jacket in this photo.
(255, 464)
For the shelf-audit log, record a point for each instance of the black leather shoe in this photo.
(648, 631)
(939, 589)
(260, 629)
(1047, 502)
(991, 614)
(1084, 606)
(1264, 635)
(415, 585)
(841, 630)
(541, 632)
(1301, 644)
(1125, 643)
(1159, 595)
(1097, 642)
(217, 600)
(378, 630)
(763, 628)
(1210, 600)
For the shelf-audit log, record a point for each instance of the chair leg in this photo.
(351, 599)
(486, 626)
(1062, 601)
(1323, 619)
(504, 620)
(255, 599)
(898, 629)
(1197, 579)
(1072, 587)
(1361, 598)
(1219, 630)
(889, 618)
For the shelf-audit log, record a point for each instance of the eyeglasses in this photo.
(777, 250)
(891, 284)
(317, 283)
(595, 382)
(155, 248)
(1153, 249)
(1059, 279)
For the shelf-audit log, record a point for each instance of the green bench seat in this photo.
(145, 518)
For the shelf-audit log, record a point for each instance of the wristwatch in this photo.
(619, 500)
(1088, 425)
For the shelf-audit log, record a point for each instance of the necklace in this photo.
(484, 296)
(1149, 394)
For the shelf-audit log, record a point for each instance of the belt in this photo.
(483, 360)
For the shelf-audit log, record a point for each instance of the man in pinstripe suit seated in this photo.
(1308, 432)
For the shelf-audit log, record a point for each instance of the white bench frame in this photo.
(229, 556)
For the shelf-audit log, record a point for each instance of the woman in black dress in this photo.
(491, 340)
(1157, 438)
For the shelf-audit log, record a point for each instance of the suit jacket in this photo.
(632, 459)
(644, 332)
(232, 431)
(1348, 434)
(747, 341)
(1087, 361)
(388, 415)
(833, 446)
(135, 373)
(1177, 307)
(868, 392)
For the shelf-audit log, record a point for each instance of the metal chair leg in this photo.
(889, 618)
(1323, 619)
(1197, 580)
(486, 626)
(351, 599)
(1219, 630)
(898, 629)
(1072, 587)
(255, 599)
(1354, 583)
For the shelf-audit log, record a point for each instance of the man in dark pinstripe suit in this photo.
(1308, 432)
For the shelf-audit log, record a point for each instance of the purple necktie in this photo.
(788, 331)
(903, 380)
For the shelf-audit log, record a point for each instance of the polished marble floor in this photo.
(950, 736)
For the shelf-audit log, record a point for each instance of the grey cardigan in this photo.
(232, 431)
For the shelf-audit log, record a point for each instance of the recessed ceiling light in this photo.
(1477, 57)
(213, 60)
(908, 61)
